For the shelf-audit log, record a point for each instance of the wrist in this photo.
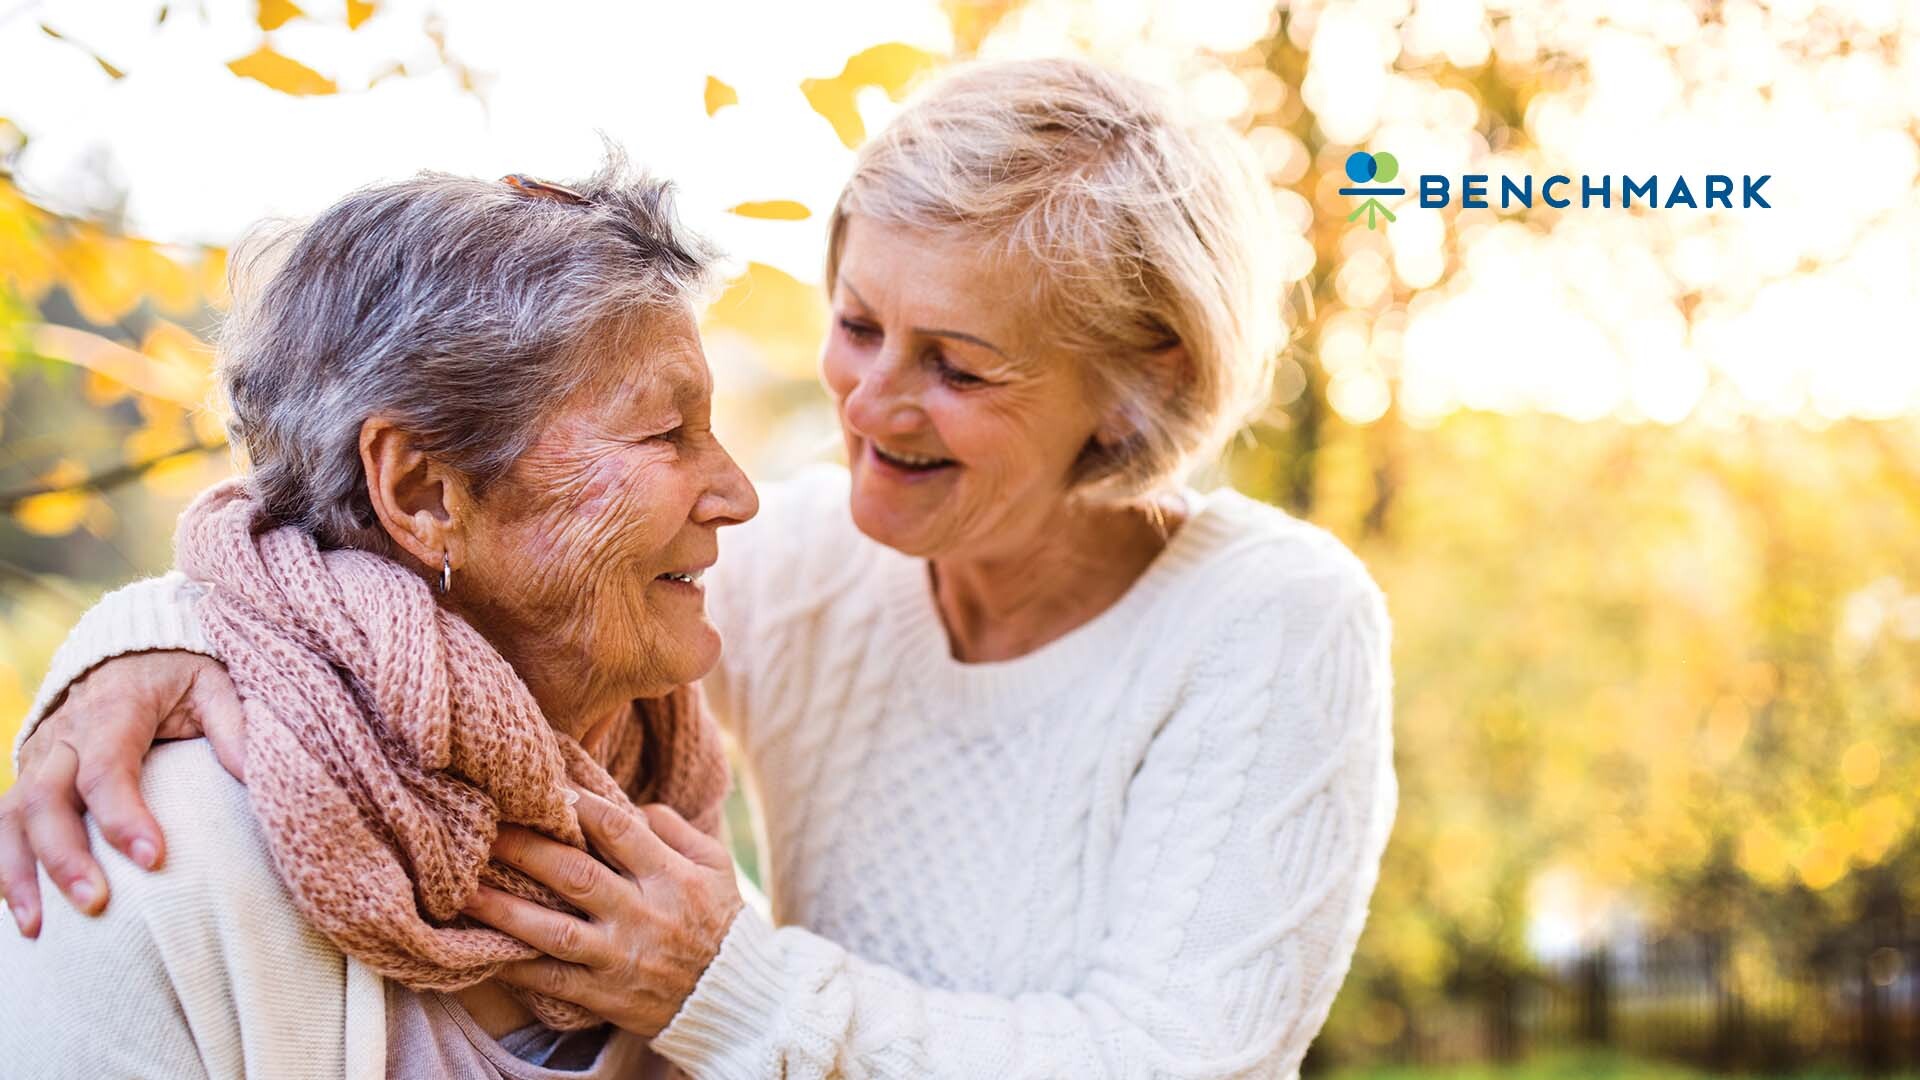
(735, 1009)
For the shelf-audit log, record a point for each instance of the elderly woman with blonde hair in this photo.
(1065, 768)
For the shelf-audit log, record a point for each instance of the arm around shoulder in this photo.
(154, 613)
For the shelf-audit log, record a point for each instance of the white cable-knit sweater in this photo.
(1143, 850)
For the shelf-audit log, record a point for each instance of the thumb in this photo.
(681, 836)
(216, 703)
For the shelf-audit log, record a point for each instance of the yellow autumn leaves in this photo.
(891, 67)
(268, 66)
(107, 278)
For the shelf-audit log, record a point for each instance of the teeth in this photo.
(914, 460)
(687, 578)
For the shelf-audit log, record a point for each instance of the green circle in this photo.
(1389, 167)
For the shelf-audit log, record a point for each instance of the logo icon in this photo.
(1364, 168)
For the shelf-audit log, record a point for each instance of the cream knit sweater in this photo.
(1144, 850)
(204, 969)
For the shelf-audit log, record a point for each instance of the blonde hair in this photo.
(1151, 229)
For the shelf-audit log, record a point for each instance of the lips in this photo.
(687, 576)
(908, 461)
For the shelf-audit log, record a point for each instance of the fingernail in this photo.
(27, 919)
(84, 892)
(145, 853)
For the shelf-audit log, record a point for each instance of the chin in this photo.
(883, 523)
(698, 653)
(681, 655)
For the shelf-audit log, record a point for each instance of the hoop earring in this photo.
(446, 573)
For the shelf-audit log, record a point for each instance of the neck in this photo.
(1071, 567)
(575, 703)
(573, 708)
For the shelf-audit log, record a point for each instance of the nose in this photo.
(884, 399)
(730, 498)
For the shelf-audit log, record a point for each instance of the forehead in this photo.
(944, 279)
(655, 360)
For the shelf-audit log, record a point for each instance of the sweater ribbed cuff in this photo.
(726, 1026)
(156, 613)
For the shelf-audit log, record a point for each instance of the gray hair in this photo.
(464, 310)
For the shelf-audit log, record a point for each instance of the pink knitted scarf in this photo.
(386, 741)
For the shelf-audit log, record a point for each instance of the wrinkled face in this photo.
(962, 418)
(589, 551)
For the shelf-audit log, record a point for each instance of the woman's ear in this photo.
(420, 502)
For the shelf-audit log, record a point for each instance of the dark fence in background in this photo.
(1854, 1001)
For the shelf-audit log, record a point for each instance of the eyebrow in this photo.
(957, 335)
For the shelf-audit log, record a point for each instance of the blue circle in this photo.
(1361, 167)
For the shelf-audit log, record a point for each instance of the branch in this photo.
(112, 478)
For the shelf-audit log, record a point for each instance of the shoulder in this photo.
(204, 960)
(1263, 580)
(218, 885)
(214, 841)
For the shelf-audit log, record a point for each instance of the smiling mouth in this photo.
(918, 463)
(683, 577)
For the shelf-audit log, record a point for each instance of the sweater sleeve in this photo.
(1246, 856)
(155, 613)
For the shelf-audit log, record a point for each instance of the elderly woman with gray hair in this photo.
(457, 589)
(1065, 769)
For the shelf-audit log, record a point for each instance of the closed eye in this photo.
(859, 331)
(955, 377)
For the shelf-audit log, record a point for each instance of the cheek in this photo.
(599, 522)
(1010, 435)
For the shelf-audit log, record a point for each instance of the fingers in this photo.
(110, 742)
(557, 934)
(690, 842)
(111, 791)
(35, 748)
(585, 881)
(19, 881)
(622, 835)
(55, 834)
(568, 982)
(217, 704)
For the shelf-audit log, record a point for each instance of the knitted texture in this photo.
(386, 741)
(1144, 849)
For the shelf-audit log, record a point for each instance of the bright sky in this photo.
(202, 153)
(1802, 311)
